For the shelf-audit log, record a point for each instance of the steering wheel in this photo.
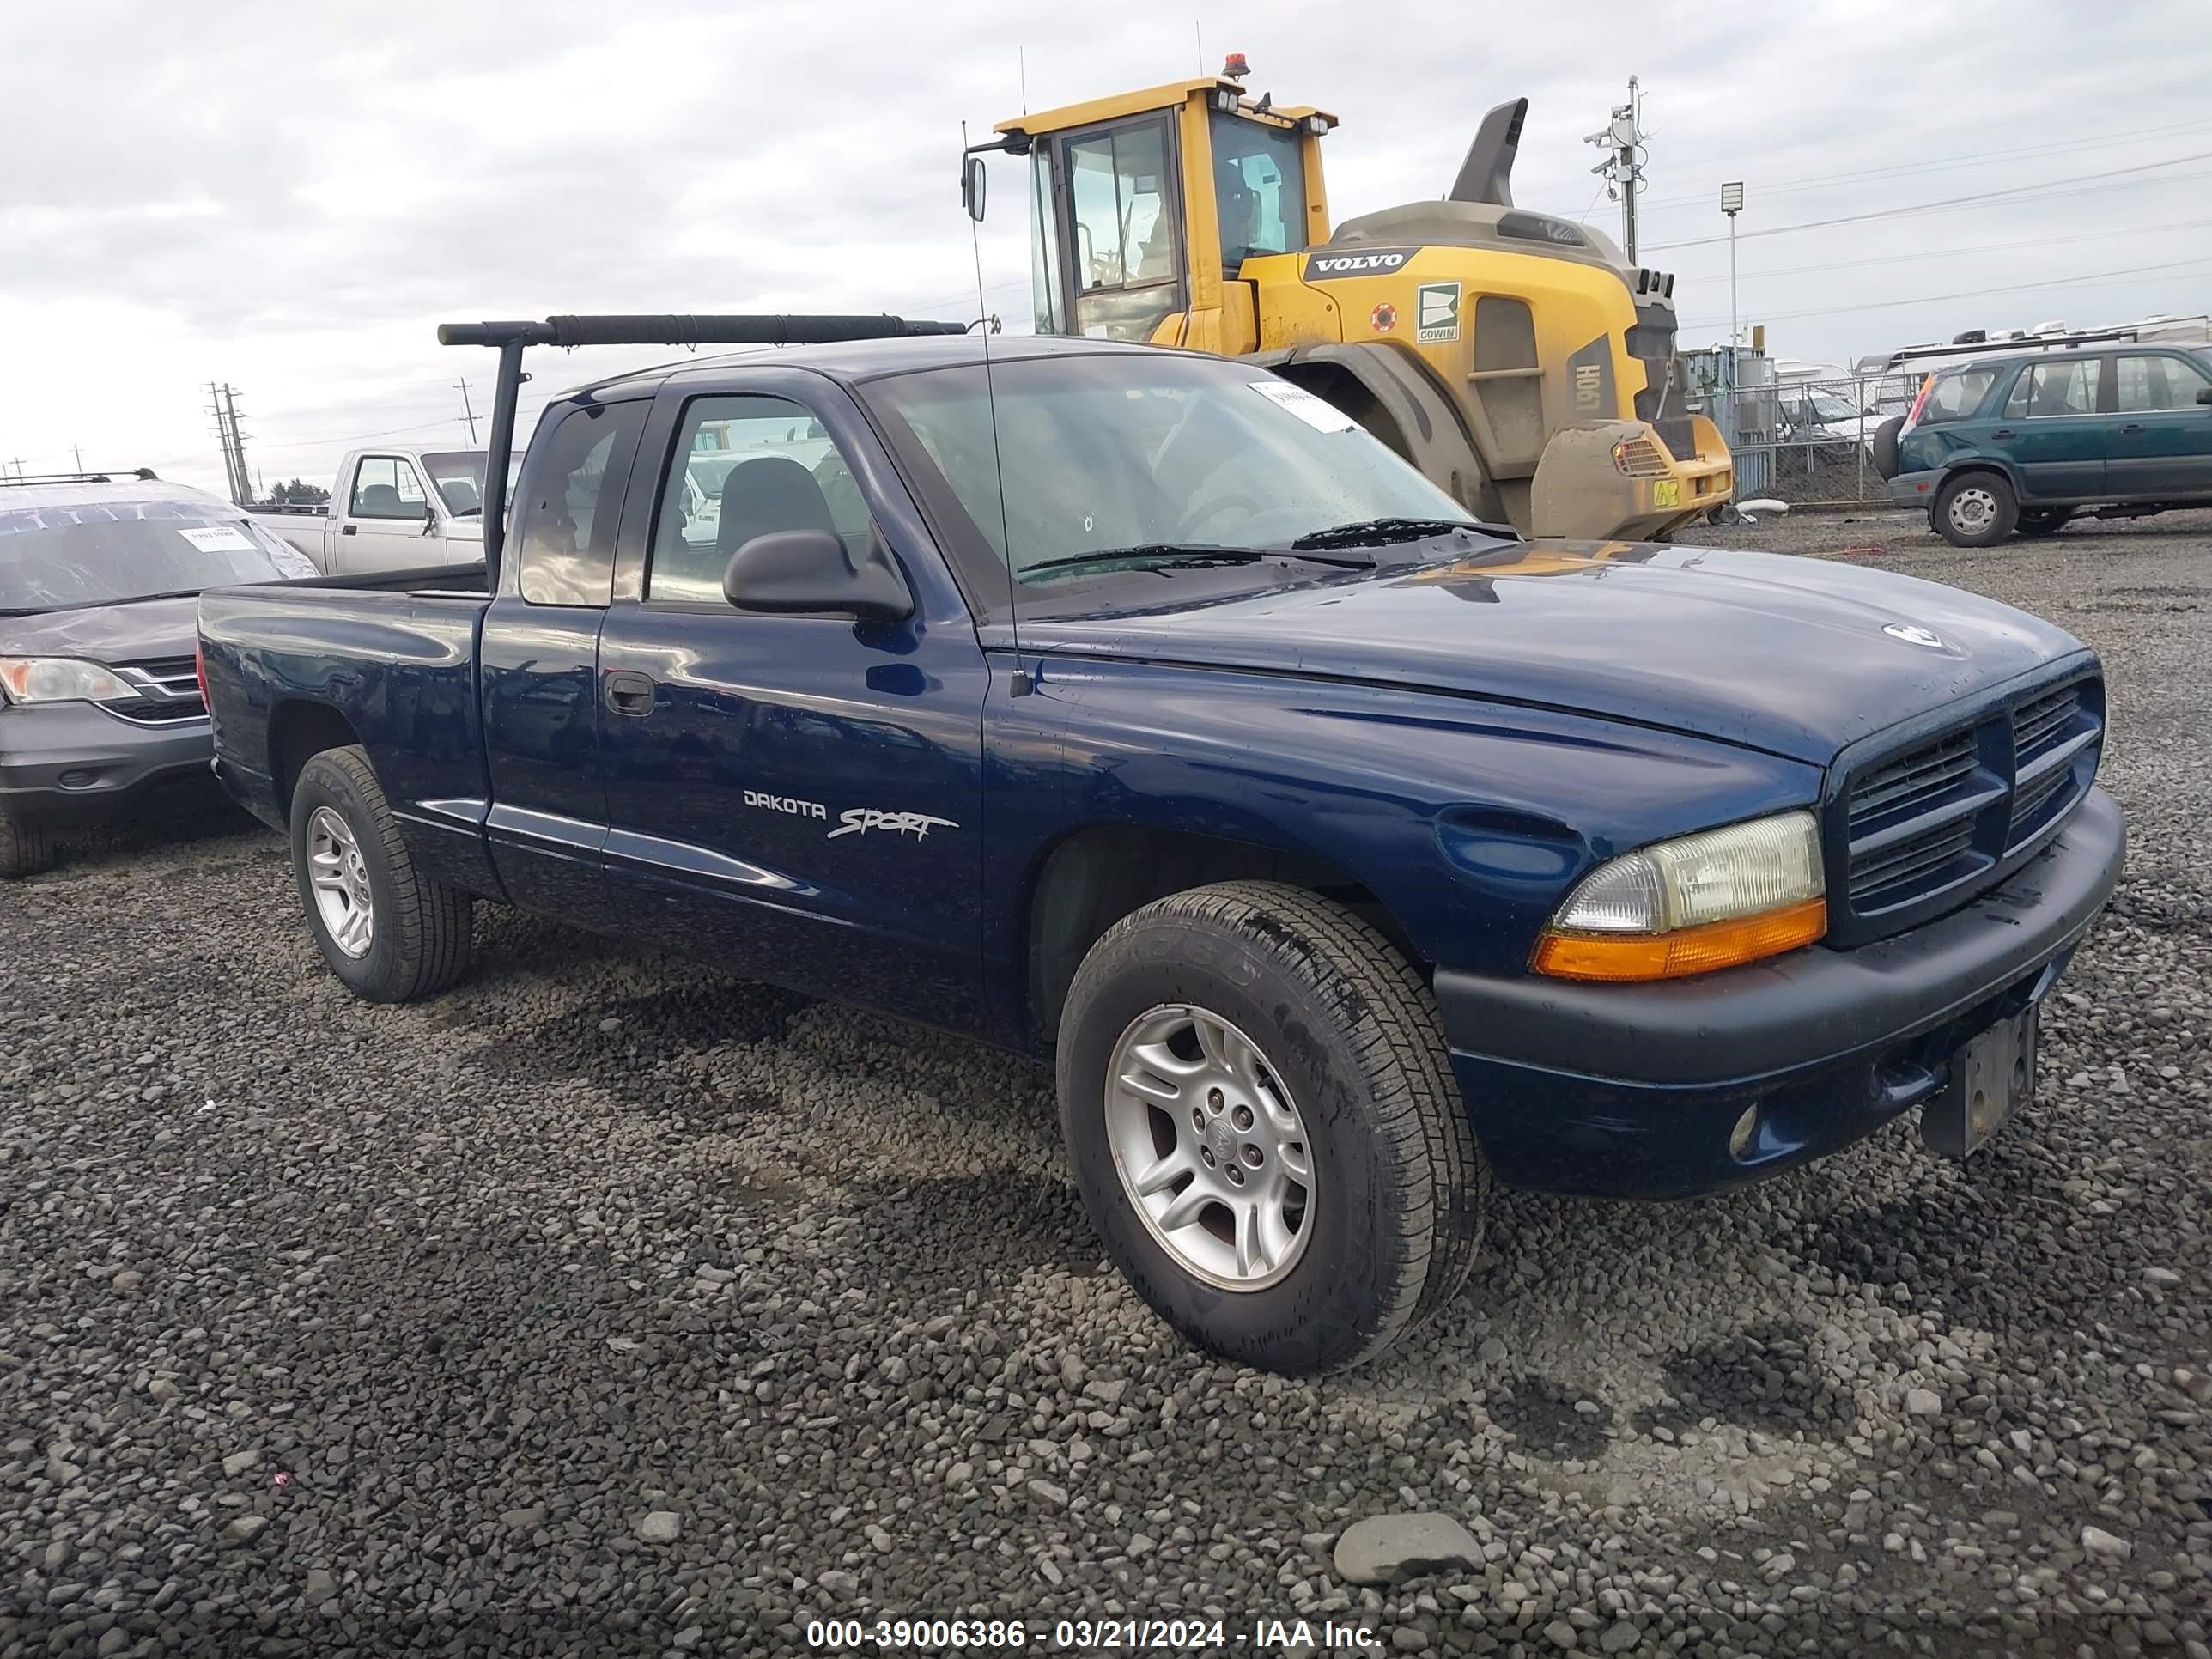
(1249, 505)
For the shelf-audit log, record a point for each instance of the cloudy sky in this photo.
(290, 198)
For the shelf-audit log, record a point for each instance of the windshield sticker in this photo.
(216, 539)
(1435, 312)
(1316, 412)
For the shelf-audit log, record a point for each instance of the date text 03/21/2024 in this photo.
(1087, 1635)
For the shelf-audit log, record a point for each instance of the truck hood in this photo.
(1798, 657)
(106, 633)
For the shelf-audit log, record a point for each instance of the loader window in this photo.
(1258, 189)
(1045, 246)
(1126, 258)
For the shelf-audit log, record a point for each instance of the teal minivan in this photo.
(2023, 443)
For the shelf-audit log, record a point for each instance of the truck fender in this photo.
(1393, 395)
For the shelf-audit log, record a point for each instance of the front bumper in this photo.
(1915, 488)
(1634, 1091)
(75, 762)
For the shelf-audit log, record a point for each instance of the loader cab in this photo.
(1143, 210)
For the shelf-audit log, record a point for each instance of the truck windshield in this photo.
(459, 477)
(1139, 450)
(57, 556)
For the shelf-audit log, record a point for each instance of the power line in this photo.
(1827, 265)
(1980, 198)
(1823, 181)
(2084, 280)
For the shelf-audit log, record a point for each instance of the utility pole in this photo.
(244, 494)
(77, 450)
(222, 403)
(469, 413)
(1622, 137)
(1732, 204)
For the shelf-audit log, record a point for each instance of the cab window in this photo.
(1258, 189)
(1126, 275)
(568, 502)
(2148, 384)
(743, 467)
(385, 487)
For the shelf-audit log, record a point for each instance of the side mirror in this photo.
(972, 182)
(790, 572)
(2204, 395)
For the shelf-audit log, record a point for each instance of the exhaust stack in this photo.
(1486, 175)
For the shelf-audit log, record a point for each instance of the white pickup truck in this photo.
(404, 507)
(394, 506)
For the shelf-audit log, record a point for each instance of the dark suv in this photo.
(99, 702)
(2024, 442)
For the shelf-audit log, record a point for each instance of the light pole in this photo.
(1732, 204)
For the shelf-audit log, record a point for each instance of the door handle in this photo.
(628, 692)
(2004, 432)
(2132, 426)
(346, 530)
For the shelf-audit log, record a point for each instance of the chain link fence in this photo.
(1807, 442)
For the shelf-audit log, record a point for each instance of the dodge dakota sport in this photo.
(1135, 709)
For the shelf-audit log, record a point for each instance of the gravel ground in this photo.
(608, 1305)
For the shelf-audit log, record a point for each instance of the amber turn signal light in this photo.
(1700, 949)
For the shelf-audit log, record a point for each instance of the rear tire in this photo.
(390, 933)
(25, 849)
(1342, 1054)
(1975, 509)
(2043, 520)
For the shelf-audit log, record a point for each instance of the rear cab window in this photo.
(568, 503)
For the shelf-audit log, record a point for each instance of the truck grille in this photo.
(168, 691)
(1928, 826)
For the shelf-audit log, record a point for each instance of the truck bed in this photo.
(391, 656)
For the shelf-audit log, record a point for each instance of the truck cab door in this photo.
(387, 519)
(797, 796)
(546, 819)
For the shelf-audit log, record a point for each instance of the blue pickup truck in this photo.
(1136, 710)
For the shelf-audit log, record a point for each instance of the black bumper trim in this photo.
(1811, 1005)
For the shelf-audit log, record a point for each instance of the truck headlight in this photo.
(1693, 904)
(60, 679)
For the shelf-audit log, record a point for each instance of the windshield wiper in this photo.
(1189, 556)
(1377, 532)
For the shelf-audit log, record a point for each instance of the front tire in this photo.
(25, 849)
(1259, 1108)
(1975, 509)
(389, 932)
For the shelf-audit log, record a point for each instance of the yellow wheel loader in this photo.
(1518, 360)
